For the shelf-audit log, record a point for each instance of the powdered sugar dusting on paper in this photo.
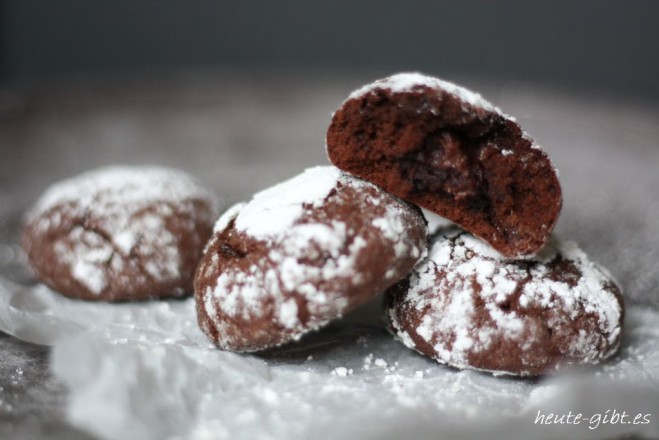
(407, 82)
(305, 257)
(464, 260)
(129, 206)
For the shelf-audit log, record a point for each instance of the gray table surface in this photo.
(242, 132)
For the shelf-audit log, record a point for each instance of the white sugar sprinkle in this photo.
(406, 82)
(274, 210)
(380, 363)
(342, 371)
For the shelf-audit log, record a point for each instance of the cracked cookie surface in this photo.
(300, 254)
(448, 150)
(468, 307)
(120, 233)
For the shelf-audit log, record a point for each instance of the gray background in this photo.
(599, 46)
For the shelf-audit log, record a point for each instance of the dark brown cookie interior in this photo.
(468, 164)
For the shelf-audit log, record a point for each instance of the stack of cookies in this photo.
(492, 290)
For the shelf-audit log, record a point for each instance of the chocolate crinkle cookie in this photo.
(468, 307)
(120, 233)
(448, 150)
(300, 254)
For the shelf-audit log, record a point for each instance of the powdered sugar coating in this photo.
(260, 286)
(282, 204)
(469, 300)
(407, 82)
(107, 220)
(132, 186)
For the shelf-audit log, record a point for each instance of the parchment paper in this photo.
(145, 371)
